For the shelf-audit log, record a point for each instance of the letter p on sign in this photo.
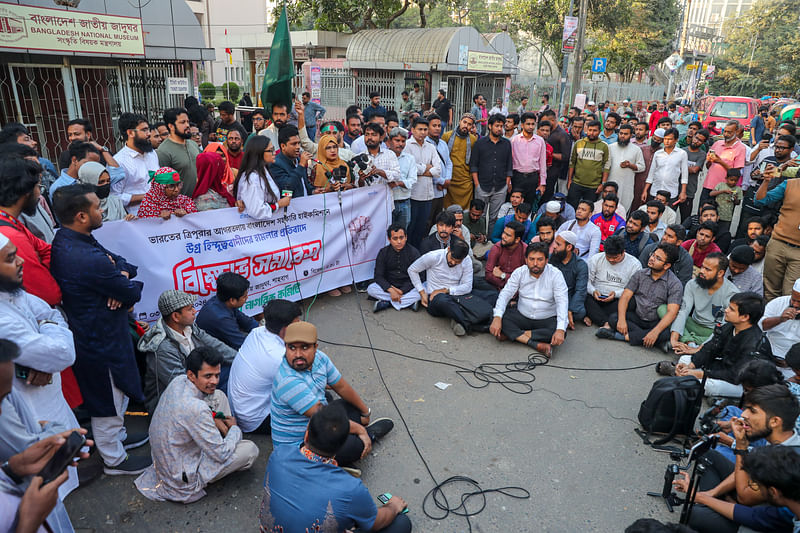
(599, 64)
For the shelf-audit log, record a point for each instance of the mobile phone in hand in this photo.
(63, 457)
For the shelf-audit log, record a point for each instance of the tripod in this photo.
(667, 494)
(701, 464)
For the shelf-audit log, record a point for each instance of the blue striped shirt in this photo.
(294, 393)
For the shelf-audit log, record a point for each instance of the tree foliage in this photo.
(349, 15)
(767, 33)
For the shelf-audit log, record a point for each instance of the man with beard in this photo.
(588, 166)
(353, 129)
(529, 159)
(610, 187)
(80, 129)
(460, 143)
(137, 157)
(46, 347)
(492, 166)
(634, 234)
(637, 320)
(769, 413)
(441, 183)
(725, 154)
(280, 119)
(233, 147)
(546, 228)
(626, 160)
(587, 234)
(79, 153)
(659, 113)
(227, 122)
(289, 168)
(782, 156)
(696, 154)
(541, 316)
(703, 243)
(682, 266)
(669, 170)
(753, 228)
(19, 194)
(299, 391)
(609, 133)
(704, 298)
(608, 220)
(440, 238)
(559, 139)
(98, 291)
(759, 246)
(179, 151)
(400, 170)
(504, 257)
(656, 225)
(648, 149)
(691, 129)
(576, 274)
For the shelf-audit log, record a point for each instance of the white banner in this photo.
(307, 250)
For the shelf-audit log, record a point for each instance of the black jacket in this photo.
(724, 355)
(391, 268)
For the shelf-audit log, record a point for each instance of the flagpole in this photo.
(230, 61)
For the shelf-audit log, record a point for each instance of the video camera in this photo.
(362, 163)
(708, 421)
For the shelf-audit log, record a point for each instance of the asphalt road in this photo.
(569, 442)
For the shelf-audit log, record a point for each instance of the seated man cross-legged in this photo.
(637, 319)
(541, 316)
(221, 317)
(194, 438)
(392, 286)
(299, 391)
(609, 273)
(575, 272)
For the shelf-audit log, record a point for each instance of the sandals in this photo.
(665, 368)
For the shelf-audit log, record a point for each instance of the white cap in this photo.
(659, 132)
(626, 101)
(590, 102)
(795, 288)
(553, 206)
(3, 241)
(569, 236)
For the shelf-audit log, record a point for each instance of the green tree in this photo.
(346, 15)
(646, 40)
(760, 52)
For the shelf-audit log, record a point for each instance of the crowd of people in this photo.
(526, 226)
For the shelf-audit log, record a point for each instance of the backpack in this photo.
(671, 407)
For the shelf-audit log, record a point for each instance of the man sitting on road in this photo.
(702, 245)
(392, 286)
(781, 323)
(634, 234)
(504, 258)
(725, 354)
(541, 315)
(221, 317)
(587, 233)
(607, 219)
(655, 223)
(522, 215)
(674, 234)
(194, 438)
(256, 364)
(298, 392)
(637, 319)
(169, 341)
(575, 272)
(741, 273)
(305, 490)
(703, 298)
(609, 273)
(439, 239)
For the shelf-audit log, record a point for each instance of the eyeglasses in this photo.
(269, 151)
(782, 147)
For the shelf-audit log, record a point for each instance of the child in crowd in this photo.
(728, 195)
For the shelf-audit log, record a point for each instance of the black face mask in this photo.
(102, 191)
(655, 144)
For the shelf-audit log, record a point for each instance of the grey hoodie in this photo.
(166, 360)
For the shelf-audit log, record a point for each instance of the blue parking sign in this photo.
(599, 64)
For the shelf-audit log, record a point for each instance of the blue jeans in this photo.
(402, 212)
(312, 131)
(418, 227)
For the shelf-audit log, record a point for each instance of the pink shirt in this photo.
(529, 155)
(732, 155)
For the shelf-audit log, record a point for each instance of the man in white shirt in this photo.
(669, 170)
(359, 145)
(626, 160)
(541, 315)
(255, 366)
(781, 323)
(609, 273)
(499, 108)
(429, 167)
(137, 157)
(407, 171)
(588, 234)
(449, 276)
(441, 183)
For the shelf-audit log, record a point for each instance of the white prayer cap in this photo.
(659, 133)
(590, 103)
(796, 287)
(553, 206)
(569, 236)
(3, 241)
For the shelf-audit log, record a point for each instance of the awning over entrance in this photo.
(160, 29)
(444, 49)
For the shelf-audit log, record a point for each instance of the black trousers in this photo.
(515, 324)
(353, 447)
(485, 290)
(600, 312)
(550, 184)
(703, 519)
(576, 193)
(445, 305)
(400, 524)
(686, 208)
(528, 182)
(638, 328)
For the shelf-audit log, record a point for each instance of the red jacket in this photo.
(36, 278)
(655, 116)
(607, 227)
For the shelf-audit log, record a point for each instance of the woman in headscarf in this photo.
(331, 172)
(254, 186)
(164, 197)
(94, 173)
(210, 193)
(219, 148)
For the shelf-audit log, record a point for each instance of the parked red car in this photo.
(739, 108)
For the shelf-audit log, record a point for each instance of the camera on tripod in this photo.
(708, 421)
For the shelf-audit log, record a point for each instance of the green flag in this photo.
(277, 86)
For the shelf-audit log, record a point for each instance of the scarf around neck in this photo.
(452, 141)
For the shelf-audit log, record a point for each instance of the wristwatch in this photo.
(737, 451)
(503, 275)
(367, 414)
(10, 473)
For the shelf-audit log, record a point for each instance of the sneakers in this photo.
(361, 286)
(132, 465)
(355, 472)
(379, 428)
(458, 329)
(135, 440)
(667, 347)
(415, 306)
(381, 305)
(604, 333)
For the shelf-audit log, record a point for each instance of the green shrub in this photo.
(207, 90)
(230, 91)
